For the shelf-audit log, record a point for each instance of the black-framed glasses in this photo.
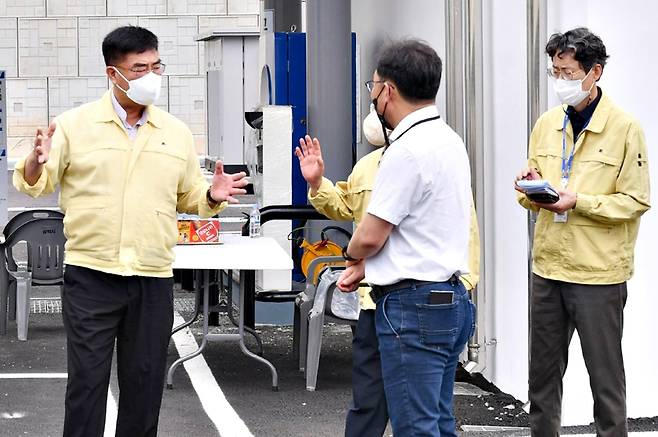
(370, 84)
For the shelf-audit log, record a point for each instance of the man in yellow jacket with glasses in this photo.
(348, 200)
(124, 168)
(595, 155)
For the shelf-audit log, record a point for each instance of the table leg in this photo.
(194, 316)
(241, 330)
(204, 340)
(247, 303)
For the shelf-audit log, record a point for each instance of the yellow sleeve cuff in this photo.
(21, 185)
(325, 189)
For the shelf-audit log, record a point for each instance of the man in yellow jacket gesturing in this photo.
(596, 157)
(124, 167)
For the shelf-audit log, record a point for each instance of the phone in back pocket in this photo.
(440, 297)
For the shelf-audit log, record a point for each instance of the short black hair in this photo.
(587, 48)
(413, 66)
(127, 39)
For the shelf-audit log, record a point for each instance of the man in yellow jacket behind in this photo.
(125, 167)
(348, 200)
(595, 155)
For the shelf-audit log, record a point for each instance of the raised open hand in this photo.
(310, 160)
(42, 143)
(225, 186)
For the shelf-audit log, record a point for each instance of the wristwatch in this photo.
(346, 257)
(211, 202)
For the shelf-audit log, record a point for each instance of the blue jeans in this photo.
(419, 345)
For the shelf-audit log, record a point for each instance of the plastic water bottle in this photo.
(254, 222)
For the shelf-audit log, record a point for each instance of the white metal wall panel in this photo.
(137, 7)
(243, 6)
(27, 109)
(47, 47)
(177, 46)
(91, 32)
(229, 23)
(22, 8)
(197, 7)
(9, 46)
(65, 93)
(76, 7)
(187, 101)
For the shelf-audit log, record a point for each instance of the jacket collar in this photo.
(599, 118)
(104, 112)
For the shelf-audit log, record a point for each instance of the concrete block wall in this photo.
(51, 51)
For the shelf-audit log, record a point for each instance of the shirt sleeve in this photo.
(396, 186)
(632, 197)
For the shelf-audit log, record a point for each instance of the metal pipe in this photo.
(454, 66)
(474, 137)
(464, 72)
(537, 101)
(329, 82)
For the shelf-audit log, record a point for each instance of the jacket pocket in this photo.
(596, 173)
(597, 248)
(91, 229)
(158, 235)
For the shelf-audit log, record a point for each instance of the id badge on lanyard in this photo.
(567, 164)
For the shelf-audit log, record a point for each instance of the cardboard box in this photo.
(202, 231)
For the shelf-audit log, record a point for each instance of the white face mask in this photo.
(372, 128)
(143, 91)
(570, 92)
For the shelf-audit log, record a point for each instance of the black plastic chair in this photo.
(45, 263)
(8, 291)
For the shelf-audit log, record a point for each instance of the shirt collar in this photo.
(586, 113)
(428, 111)
(599, 116)
(123, 115)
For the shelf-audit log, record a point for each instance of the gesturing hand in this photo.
(42, 143)
(310, 160)
(225, 186)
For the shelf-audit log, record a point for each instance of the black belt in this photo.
(379, 291)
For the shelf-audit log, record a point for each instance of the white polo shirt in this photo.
(423, 187)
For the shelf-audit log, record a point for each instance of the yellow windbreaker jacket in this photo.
(610, 175)
(120, 197)
(348, 200)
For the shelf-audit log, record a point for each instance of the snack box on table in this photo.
(194, 230)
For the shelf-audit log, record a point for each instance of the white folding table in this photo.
(235, 253)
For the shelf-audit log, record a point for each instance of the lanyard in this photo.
(424, 120)
(567, 163)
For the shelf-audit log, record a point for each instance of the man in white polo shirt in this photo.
(412, 244)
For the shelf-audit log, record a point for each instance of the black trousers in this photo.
(368, 414)
(136, 312)
(596, 312)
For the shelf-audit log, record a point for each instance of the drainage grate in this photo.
(46, 305)
(53, 305)
(473, 428)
